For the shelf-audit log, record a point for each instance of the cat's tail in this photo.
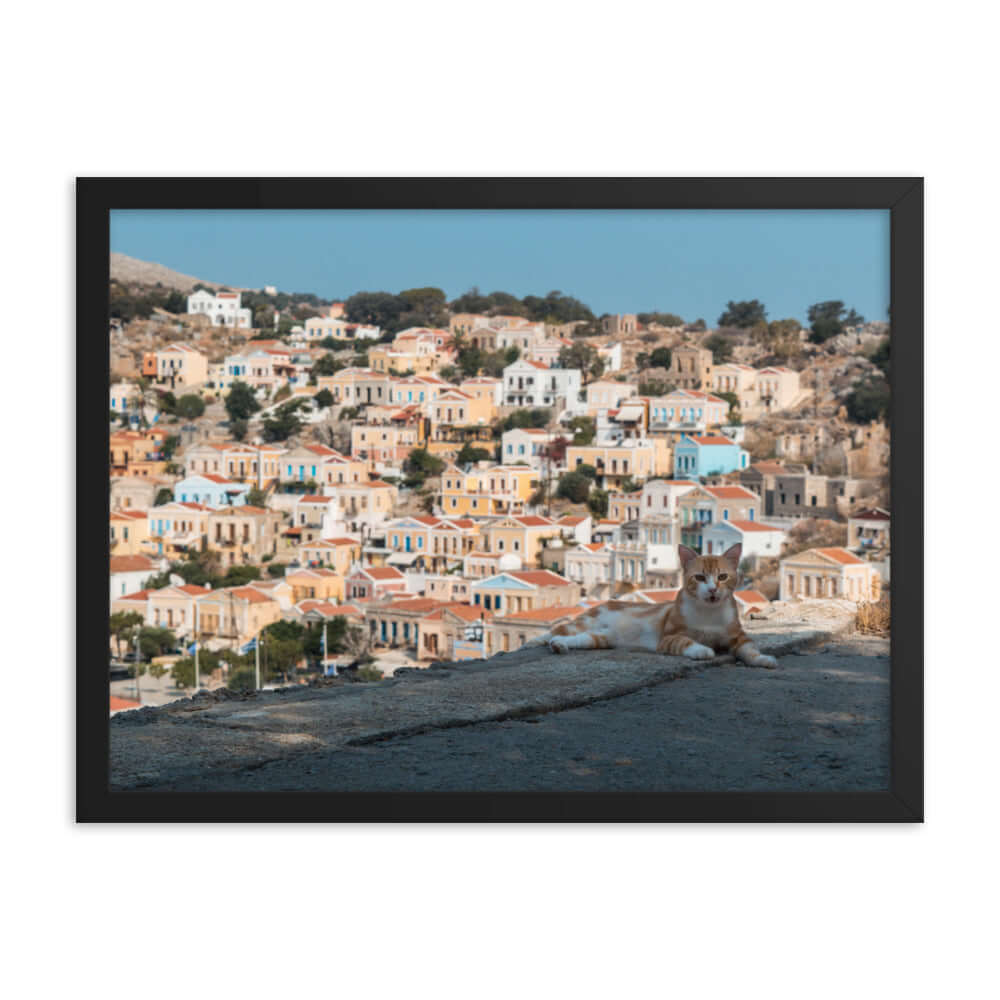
(539, 640)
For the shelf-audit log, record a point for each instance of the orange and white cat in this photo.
(702, 622)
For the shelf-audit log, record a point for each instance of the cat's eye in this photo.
(700, 577)
(723, 576)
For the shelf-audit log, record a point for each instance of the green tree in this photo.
(123, 625)
(660, 358)
(573, 486)
(256, 497)
(163, 495)
(382, 309)
(323, 398)
(240, 576)
(283, 422)
(155, 641)
(868, 400)
(241, 402)
(662, 319)
(584, 429)
(582, 356)
(743, 314)
(880, 357)
(238, 429)
(721, 348)
(586, 469)
(597, 502)
(276, 568)
(829, 319)
(470, 453)
(327, 365)
(421, 464)
(190, 406)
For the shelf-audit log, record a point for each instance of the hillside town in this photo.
(305, 488)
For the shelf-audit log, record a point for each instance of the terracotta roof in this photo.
(139, 595)
(751, 526)
(593, 546)
(872, 514)
(121, 704)
(191, 588)
(539, 577)
(332, 543)
(532, 520)
(659, 596)
(712, 439)
(383, 573)
(314, 498)
(840, 556)
(752, 597)
(131, 564)
(543, 614)
(250, 594)
(572, 519)
(412, 604)
(328, 609)
(731, 492)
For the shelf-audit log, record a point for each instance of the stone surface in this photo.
(316, 737)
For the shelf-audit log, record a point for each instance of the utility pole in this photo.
(197, 673)
(138, 691)
(256, 649)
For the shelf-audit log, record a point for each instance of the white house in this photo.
(760, 541)
(530, 383)
(611, 355)
(211, 489)
(128, 573)
(222, 309)
(588, 565)
(525, 446)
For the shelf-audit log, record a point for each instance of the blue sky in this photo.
(686, 262)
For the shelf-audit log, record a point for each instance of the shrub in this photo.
(574, 486)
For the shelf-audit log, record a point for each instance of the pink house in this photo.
(375, 583)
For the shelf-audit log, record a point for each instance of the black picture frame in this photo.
(901, 196)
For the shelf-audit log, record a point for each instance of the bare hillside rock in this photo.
(129, 269)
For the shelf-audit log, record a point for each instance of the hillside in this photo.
(130, 270)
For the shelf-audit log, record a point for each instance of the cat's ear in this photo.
(686, 555)
(732, 555)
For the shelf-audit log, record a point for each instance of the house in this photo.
(588, 565)
(255, 465)
(173, 608)
(338, 554)
(223, 308)
(798, 493)
(527, 446)
(448, 587)
(576, 528)
(453, 631)
(129, 573)
(686, 411)
(611, 355)
(417, 390)
(211, 489)
(175, 528)
(636, 459)
(523, 590)
(128, 532)
(761, 478)
(707, 505)
(608, 395)
(386, 446)
(357, 387)
(330, 327)
(453, 407)
(315, 583)
(180, 366)
(707, 456)
(479, 565)
(530, 383)
(483, 386)
(138, 454)
(375, 583)
(129, 492)
(759, 541)
(235, 616)
(522, 534)
(358, 507)
(832, 572)
(776, 388)
(499, 489)
(690, 367)
(512, 631)
(869, 529)
(243, 534)
(735, 378)
(625, 325)
(322, 465)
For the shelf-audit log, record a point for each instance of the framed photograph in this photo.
(500, 499)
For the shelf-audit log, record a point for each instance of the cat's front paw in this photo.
(696, 651)
(765, 661)
(558, 646)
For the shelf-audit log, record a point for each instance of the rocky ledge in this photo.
(507, 722)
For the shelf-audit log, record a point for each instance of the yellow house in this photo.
(832, 572)
(633, 459)
(129, 530)
(319, 583)
(334, 553)
(386, 359)
(236, 614)
(455, 408)
(499, 489)
(243, 534)
(512, 591)
(357, 387)
(520, 535)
